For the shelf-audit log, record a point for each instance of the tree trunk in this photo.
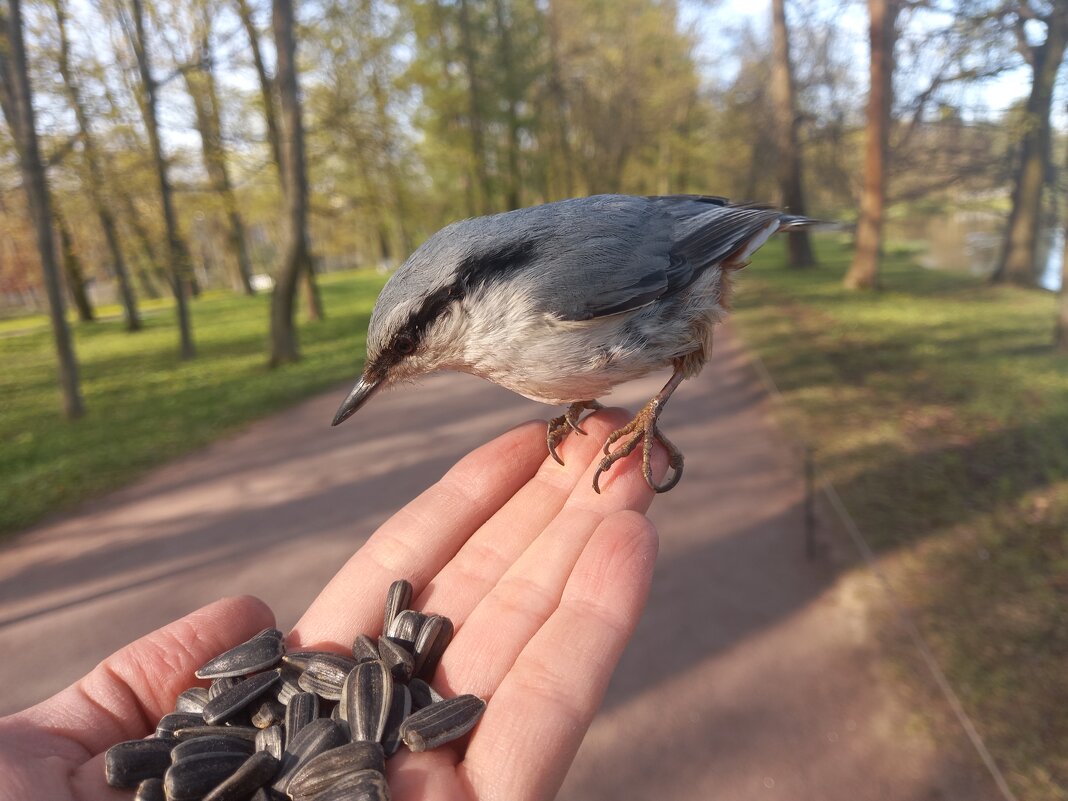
(266, 85)
(474, 110)
(798, 244)
(16, 102)
(72, 270)
(558, 94)
(177, 253)
(864, 271)
(296, 258)
(95, 176)
(513, 195)
(1018, 262)
(205, 97)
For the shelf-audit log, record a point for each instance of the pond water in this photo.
(970, 241)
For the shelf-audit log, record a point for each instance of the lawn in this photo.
(940, 411)
(145, 405)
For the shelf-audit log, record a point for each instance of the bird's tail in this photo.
(796, 222)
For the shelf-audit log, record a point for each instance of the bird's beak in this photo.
(360, 393)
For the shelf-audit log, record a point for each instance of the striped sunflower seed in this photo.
(261, 652)
(232, 701)
(364, 649)
(189, 732)
(398, 598)
(194, 777)
(442, 722)
(329, 769)
(271, 740)
(367, 785)
(192, 700)
(301, 710)
(396, 657)
(368, 694)
(129, 763)
(325, 674)
(219, 686)
(320, 735)
(254, 773)
(212, 744)
(430, 643)
(172, 721)
(399, 709)
(405, 627)
(270, 712)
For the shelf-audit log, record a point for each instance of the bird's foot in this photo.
(643, 428)
(560, 427)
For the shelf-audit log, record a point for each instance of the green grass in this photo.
(940, 410)
(144, 404)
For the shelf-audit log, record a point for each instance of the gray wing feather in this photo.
(616, 254)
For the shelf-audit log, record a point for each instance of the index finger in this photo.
(422, 537)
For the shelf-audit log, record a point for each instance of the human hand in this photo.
(543, 578)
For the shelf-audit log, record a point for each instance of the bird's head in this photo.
(420, 319)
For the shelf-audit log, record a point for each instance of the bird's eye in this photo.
(404, 345)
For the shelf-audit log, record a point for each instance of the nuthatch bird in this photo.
(562, 302)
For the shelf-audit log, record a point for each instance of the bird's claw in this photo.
(644, 429)
(560, 427)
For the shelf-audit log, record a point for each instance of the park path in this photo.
(751, 675)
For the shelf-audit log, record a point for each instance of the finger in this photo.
(422, 537)
(557, 683)
(492, 550)
(512, 612)
(126, 694)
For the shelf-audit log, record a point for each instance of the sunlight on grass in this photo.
(145, 405)
(940, 410)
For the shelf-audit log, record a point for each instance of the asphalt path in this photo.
(752, 675)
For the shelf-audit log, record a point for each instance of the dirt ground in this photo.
(752, 674)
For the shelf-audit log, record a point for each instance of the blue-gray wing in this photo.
(613, 253)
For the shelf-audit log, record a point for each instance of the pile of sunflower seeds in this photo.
(303, 725)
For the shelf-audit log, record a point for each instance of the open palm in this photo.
(543, 578)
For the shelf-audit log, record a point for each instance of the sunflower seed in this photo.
(195, 776)
(364, 649)
(399, 709)
(239, 696)
(301, 710)
(398, 598)
(261, 652)
(320, 735)
(190, 732)
(433, 638)
(423, 694)
(288, 685)
(271, 740)
(219, 686)
(129, 763)
(270, 712)
(150, 790)
(325, 674)
(299, 659)
(192, 700)
(369, 692)
(405, 627)
(330, 768)
(366, 785)
(211, 744)
(442, 722)
(173, 721)
(396, 657)
(256, 771)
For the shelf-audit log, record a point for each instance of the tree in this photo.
(864, 271)
(72, 269)
(177, 253)
(265, 83)
(94, 174)
(200, 81)
(799, 246)
(1019, 253)
(296, 257)
(16, 102)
